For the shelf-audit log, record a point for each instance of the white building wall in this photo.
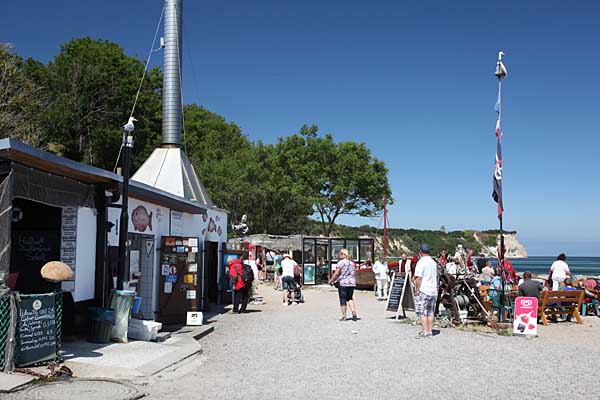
(156, 220)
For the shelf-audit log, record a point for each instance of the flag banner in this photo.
(497, 193)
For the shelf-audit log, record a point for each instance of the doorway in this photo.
(141, 271)
(211, 274)
(35, 240)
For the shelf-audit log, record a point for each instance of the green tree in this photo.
(338, 178)
(92, 84)
(243, 177)
(221, 155)
(22, 98)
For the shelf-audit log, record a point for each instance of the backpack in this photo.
(247, 273)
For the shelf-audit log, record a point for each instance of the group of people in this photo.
(425, 279)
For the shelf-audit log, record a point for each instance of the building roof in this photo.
(22, 153)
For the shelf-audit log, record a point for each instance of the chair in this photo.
(588, 306)
(494, 296)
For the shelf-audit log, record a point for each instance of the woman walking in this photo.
(344, 278)
(559, 271)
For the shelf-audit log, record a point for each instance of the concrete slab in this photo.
(13, 381)
(134, 359)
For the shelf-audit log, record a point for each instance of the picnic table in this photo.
(560, 302)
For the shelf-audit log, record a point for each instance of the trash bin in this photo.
(137, 303)
(102, 320)
(121, 302)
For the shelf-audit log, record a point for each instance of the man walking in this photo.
(241, 291)
(426, 282)
(380, 269)
(289, 268)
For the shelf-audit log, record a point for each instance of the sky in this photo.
(412, 79)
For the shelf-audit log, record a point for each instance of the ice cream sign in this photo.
(526, 309)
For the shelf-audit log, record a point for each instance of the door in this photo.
(211, 265)
(179, 281)
(141, 271)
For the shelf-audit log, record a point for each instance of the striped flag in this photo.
(497, 193)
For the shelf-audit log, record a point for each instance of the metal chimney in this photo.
(173, 33)
(168, 167)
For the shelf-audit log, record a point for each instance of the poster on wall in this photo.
(176, 223)
(309, 274)
(68, 243)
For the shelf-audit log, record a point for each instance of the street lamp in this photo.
(126, 145)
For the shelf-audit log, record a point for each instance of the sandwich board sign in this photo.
(401, 296)
(525, 322)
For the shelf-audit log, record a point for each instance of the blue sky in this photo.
(413, 79)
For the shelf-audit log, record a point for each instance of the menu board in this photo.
(37, 329)
(401, 296)
(178, 281)
(395, 296)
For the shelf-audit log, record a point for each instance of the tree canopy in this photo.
(76, 104)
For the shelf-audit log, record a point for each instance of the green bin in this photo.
(101, 323)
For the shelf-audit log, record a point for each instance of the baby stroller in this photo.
(297, 290)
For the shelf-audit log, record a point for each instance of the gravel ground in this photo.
(303, 351)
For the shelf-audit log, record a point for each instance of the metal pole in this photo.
(124, 221)
(385, 228)
(501, 256)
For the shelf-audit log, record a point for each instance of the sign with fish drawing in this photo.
(141, 219)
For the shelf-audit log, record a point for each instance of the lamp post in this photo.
(124, 221)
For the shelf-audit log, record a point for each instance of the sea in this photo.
(540, 265)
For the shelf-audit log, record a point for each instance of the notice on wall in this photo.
(525, 322)
(168, 287)
(134, 262)
(68, 242)
(176, 224)
(190, 294)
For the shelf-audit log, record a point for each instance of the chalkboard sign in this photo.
(30, 251)
(37, 329)
(35, 247)
(395, 295)
(401, 296)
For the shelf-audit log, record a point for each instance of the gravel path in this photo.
(304, 352)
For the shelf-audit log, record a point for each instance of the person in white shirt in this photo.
(426, 284)
(288, 267)
(380, 269)
(559, 270)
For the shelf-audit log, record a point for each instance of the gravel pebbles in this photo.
(304, 352)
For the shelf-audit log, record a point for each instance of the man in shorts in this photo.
(288, 267)
(426, 283)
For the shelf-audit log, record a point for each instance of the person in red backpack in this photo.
(241, 291)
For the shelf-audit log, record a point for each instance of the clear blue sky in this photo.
(413, 79)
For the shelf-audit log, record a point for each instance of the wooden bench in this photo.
(560, 302)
